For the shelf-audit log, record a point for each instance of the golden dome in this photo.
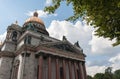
(35, 24)
(34, 18)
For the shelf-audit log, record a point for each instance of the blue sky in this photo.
(100, 53)
(12, 10)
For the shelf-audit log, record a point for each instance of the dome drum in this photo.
(35, 24)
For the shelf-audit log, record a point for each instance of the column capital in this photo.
(39, 54)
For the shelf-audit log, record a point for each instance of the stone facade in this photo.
(29, 52)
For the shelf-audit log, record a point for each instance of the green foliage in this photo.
(107, 75)
(117, 74)
(99, 76)
(89, 77)
(108, 70)
(104, 15)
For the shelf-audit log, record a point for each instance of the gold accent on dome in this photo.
(35, 18)
(35, 14)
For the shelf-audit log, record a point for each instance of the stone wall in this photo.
(20, 44)
(8, 47)
(29, 67)
(5, 67)
(35, 41)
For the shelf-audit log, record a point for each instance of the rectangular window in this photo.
(27, 40)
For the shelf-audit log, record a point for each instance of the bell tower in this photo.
(8, 49)
(13, 34)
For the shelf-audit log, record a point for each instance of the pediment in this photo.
(64, 46)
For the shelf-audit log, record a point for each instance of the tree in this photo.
(104, 15)
(89, 77)
(108, 70)
(108, 73)
(117, 74)
(99, 76)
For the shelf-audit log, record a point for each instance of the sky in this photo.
(100, 53)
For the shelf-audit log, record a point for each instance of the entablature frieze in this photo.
(6, 54)
(60, 54)
(50, 51)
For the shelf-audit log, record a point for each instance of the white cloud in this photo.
(115, 59)
(2, 37)
(48, 2)
(74, 32)
(92, 45)
(115, 62)
(99, 45)
(103, 46)
(41, 13)
(95, 69)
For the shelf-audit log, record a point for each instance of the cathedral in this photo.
(28, 52)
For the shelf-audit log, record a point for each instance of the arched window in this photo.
(14, 36)
(15, 69)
